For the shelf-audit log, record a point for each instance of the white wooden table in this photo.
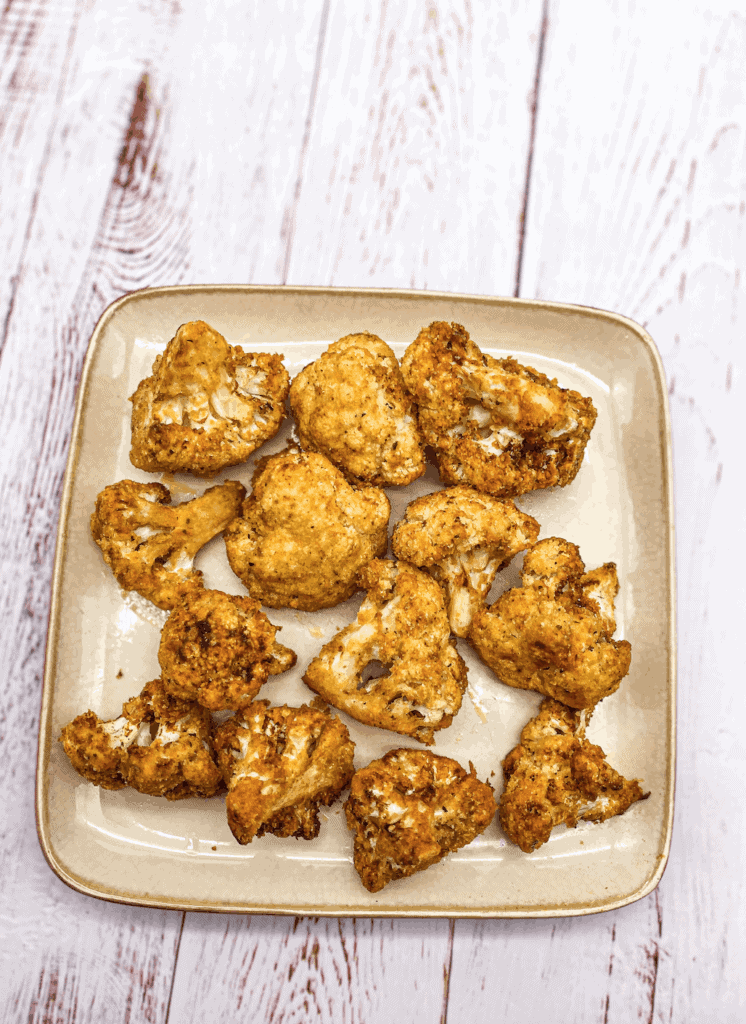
(588, 151)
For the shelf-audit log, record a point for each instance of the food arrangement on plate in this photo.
(312, 532)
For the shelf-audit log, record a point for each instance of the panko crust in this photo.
(409, 809)
(305, 532)
(280, 764)
(159, 745)
(207, 405)
(499, 426)
(150, 545)
(556, 777)
(463, 538)
(92, 752)
(351, 405)
(554, 634)
(218, 650)
(403, 626)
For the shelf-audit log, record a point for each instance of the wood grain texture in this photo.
(283, 970)
(36, 39)
(65, 957)
(637, 204)
(118, 206)
(572, 970)
(417, 156)
(165, 142)
(410, 102)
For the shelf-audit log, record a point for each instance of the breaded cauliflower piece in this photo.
(411, 808)
(402, 627)
(208, 404)
(159, 745)
(219, 650)
(501, 427)
(463, 539)
(279, 765)
(556, 777)
(351, 405)
(305, 532)
(149, 545)
(554, 634)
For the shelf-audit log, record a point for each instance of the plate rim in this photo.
(109, 894)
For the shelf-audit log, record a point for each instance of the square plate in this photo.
(102, 644)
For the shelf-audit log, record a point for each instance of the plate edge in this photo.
(41, 794)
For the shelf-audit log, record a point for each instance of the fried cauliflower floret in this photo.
(402, 629)
(501, 427)
(219, 650)
(463, 539)
(159, 745)
(150, 545)
(96, 749)
(305, 532)
(554, 634)
(351, 405)
(411, 808)
(208, 404)
(556, 777)
(279, 765)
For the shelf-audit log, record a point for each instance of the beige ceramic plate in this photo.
(102, 644)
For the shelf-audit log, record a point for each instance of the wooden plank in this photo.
(636, 204)
(279, 970)
(65, 957)
(87, 962)
(122, 204)
(417, 104)
(417, 157)
(566, 971)
(35, 44)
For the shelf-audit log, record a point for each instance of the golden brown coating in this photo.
(554, 634)
(208, 404)
(556, 777)
(501, 427)
(219, 650)
(279, 765)
(402, 628)
(463, 538)
(411, 808)
(159, 745)
(96, 748)
(150, 545)
(351, 405)
(305, 532)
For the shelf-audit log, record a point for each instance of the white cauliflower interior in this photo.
(496, 425)
(207, 405)
(463, 538)
(150, 545)
(402, 633)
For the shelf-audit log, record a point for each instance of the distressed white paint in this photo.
(330, 143)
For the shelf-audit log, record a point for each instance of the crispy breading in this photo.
(411, 808)
(150, 545)
(402, 625)
(96, 748)
(305, 532)
(207, 405)
(159, 745)
(351, 405)
(219, 650)
(557, 777)
(554, 634)
(463, 538)
(279, 765)
(499, 426)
